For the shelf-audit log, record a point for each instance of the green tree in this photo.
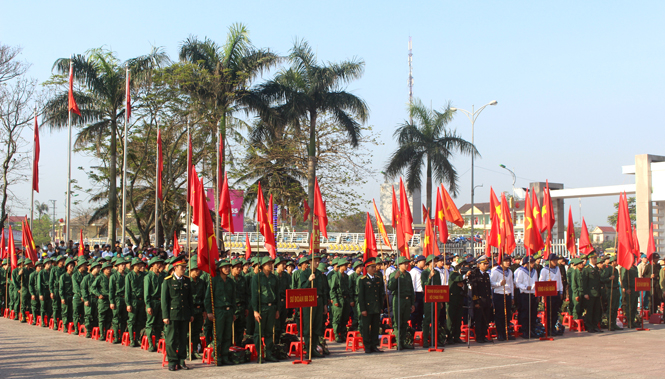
(427, 142)
(632, 211)
(308, 89)
(101, 100)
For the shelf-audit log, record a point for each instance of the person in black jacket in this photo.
(482, 297)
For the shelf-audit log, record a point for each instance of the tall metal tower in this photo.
(410, 77)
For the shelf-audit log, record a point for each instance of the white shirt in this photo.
(444, 275)
(524, 279)
(547, 274)
(496, 276)
(389, 271)
(107, 254)
(415, 277)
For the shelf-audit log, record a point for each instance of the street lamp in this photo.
(473, 115)
(503, 166)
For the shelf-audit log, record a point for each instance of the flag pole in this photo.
(32, 189)
(386, 281)
(157, 195)
(189, 169)
(124, 161)
(311, 309)
(69, 162)
(216, 202)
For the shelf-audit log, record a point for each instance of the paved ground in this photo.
(32, 352)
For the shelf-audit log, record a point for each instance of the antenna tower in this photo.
(410, 77)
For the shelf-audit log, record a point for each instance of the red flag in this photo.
(406, 217)
(533, 241)
(440, 218)
(160, 165)
(537, 217)
(307, 210)
(570, 234)
(225, 206)
(320, 209)
(35, 159)
(651, 247)
(220, 162)
(429, 239)
(30, 247)
(548, 211)
(425, 214)
(369, 249)
(636, 243)
(625, 256)
(194, 194)
(128, 96)
(2, 244)
(271, 215)
(207, 241)
(176, 245)
(450, 209)
(395, 209)
(508, 234)
(190, 168)
(381, 227)
(264, 224)
(13, 261)
(248, 247)
(399, 232)
(81, 247)
(495, 216)
(585, 242)
(73, 107)
(488, 246)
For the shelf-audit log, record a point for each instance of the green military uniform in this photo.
(117, 298)
(284, 283)
(23, 285)
(428, 312)
(576, 290)
(457, 291)
(242, 298)
(591, 288)
(629, 300)
(134, 298)
(612, 292)
(224, 298)
(353, 285)
(42, 287)
(207, 324)
(100, 288)
(78, 310)
(66, 292)
(90, 309)
(152, 294)
(3, 286)
(403, 300)
(321, 284)
(370, 292)
(264, 297)
(13, 292)
(35, 305)
(176, 304)
(249, 328)
(53, 282)
(340, 294)
(198, 290)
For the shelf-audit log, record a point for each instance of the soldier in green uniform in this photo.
(576, 288)
(610, 277)
(78, 310)
(24, 287)
(248, 281)
(89, 299)
(457, 290)
(13, 292)
(136, 316)
(176, 304)
(284, 283)
(340, 295)
(313, 278)
(100, 289)
(264, 294)
(430, 277)
(3, 285)
(370, 292)
(198, 289)
(629, 296)
(34, 291)
(66, 292)
(403, 301)
(591, 290)
(44, 294)
(242, 298)
(54, 278)
(117, 299)
(152, 288)
(224, 298)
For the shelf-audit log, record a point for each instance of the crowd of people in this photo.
(147, 295)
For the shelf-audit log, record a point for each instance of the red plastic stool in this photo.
(39, 321)
(161, 345)
(12, 314)
(164, 360)
(95, 333)
(352, 334)
(418, 338)
(644, 313)
(387, 341)
(387, 321)
(292, 328)
(51, 324)
(354, 343)
(409, 323)
(577, 325)
(82, 330)
(467, 334)
(5, 314)
(109, 336)
(207, 355)
(61, 326)
(567, 320)
(31, 317)
(145, 342)
(203, 342)
(252, 349)
(389, 331)
(491, 332)
(70, 328)
(295, 349)
(125, 339)
(329, 335)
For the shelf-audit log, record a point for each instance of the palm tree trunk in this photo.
(112, 214)
(429, 186)
(311, 162)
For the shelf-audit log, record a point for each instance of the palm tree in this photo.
(41, 208)
(309, 89)
(102, 105)
(427, 141)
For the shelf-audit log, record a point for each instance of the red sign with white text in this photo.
(301, 298)
(642, 284)
(547, 288)
(436, 294)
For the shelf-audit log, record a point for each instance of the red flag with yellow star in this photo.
(381, 227)
(369, 250)
(508, 234)
(440, 218)
(533, 241)
(450, 209)
(585, 242)
(570, 234)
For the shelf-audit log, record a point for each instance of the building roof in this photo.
(484, 208)
(605, 229)
(15, 219)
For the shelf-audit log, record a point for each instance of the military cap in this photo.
(370, 261)
(236, 262)
(255, 260)
(528, 259)
(482, 259)
(356, 264)
(279, 260)
(553, 257)
(322, 267)
(316, 256)
(179, 262)
(134, 262)
(193, 264)
(429, 258)
(70, 260)
(304, 259)
(538, 256)
(223, 262)
(38, 263)
(613, 258)
(95, 264)
(4, 261)
(155, 260)
(290, 263)
(506, 257)
(591, 255)
(81, 261)
(107, 265)
(343, 262)
(169, 267)
(266, 260)
(46, 260)
(402, 260)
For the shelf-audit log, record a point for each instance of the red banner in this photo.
(301, 298)
(436, 294)
(642, 284)
(547, 288)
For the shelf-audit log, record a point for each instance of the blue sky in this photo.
(578, 83)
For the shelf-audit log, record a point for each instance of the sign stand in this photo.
(546, 289)
(435, 295)
(640, 285)
(301, 298)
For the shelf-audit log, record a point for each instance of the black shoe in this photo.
(483, 340)
(457, 340)
(375, 350)
(409, 347)
(511, 338)
(598, 330)
(591, 331)
(271, 359)
(368, 351)
(183, 366)
(172, 368)
(151, 349)
(500, 338)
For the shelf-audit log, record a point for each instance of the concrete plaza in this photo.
(33, 352)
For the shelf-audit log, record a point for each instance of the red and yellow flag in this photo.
(176, 246)
(651, 246)
(11, 250)
(208, 254)
(264, 224)
(585, 242)
(381, 227)
(440, 218)
(81, 247)
(402, 246)
(570, 235)
(225, 210)
(248, 247)
(320, 209)
(625, 245)
(406, 216)
(533, 241)
(537, 218)
(450, 209)
(495, 216)
(508, 234)
(369, 248)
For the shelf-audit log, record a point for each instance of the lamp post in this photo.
(473, 115)
(503, 166)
